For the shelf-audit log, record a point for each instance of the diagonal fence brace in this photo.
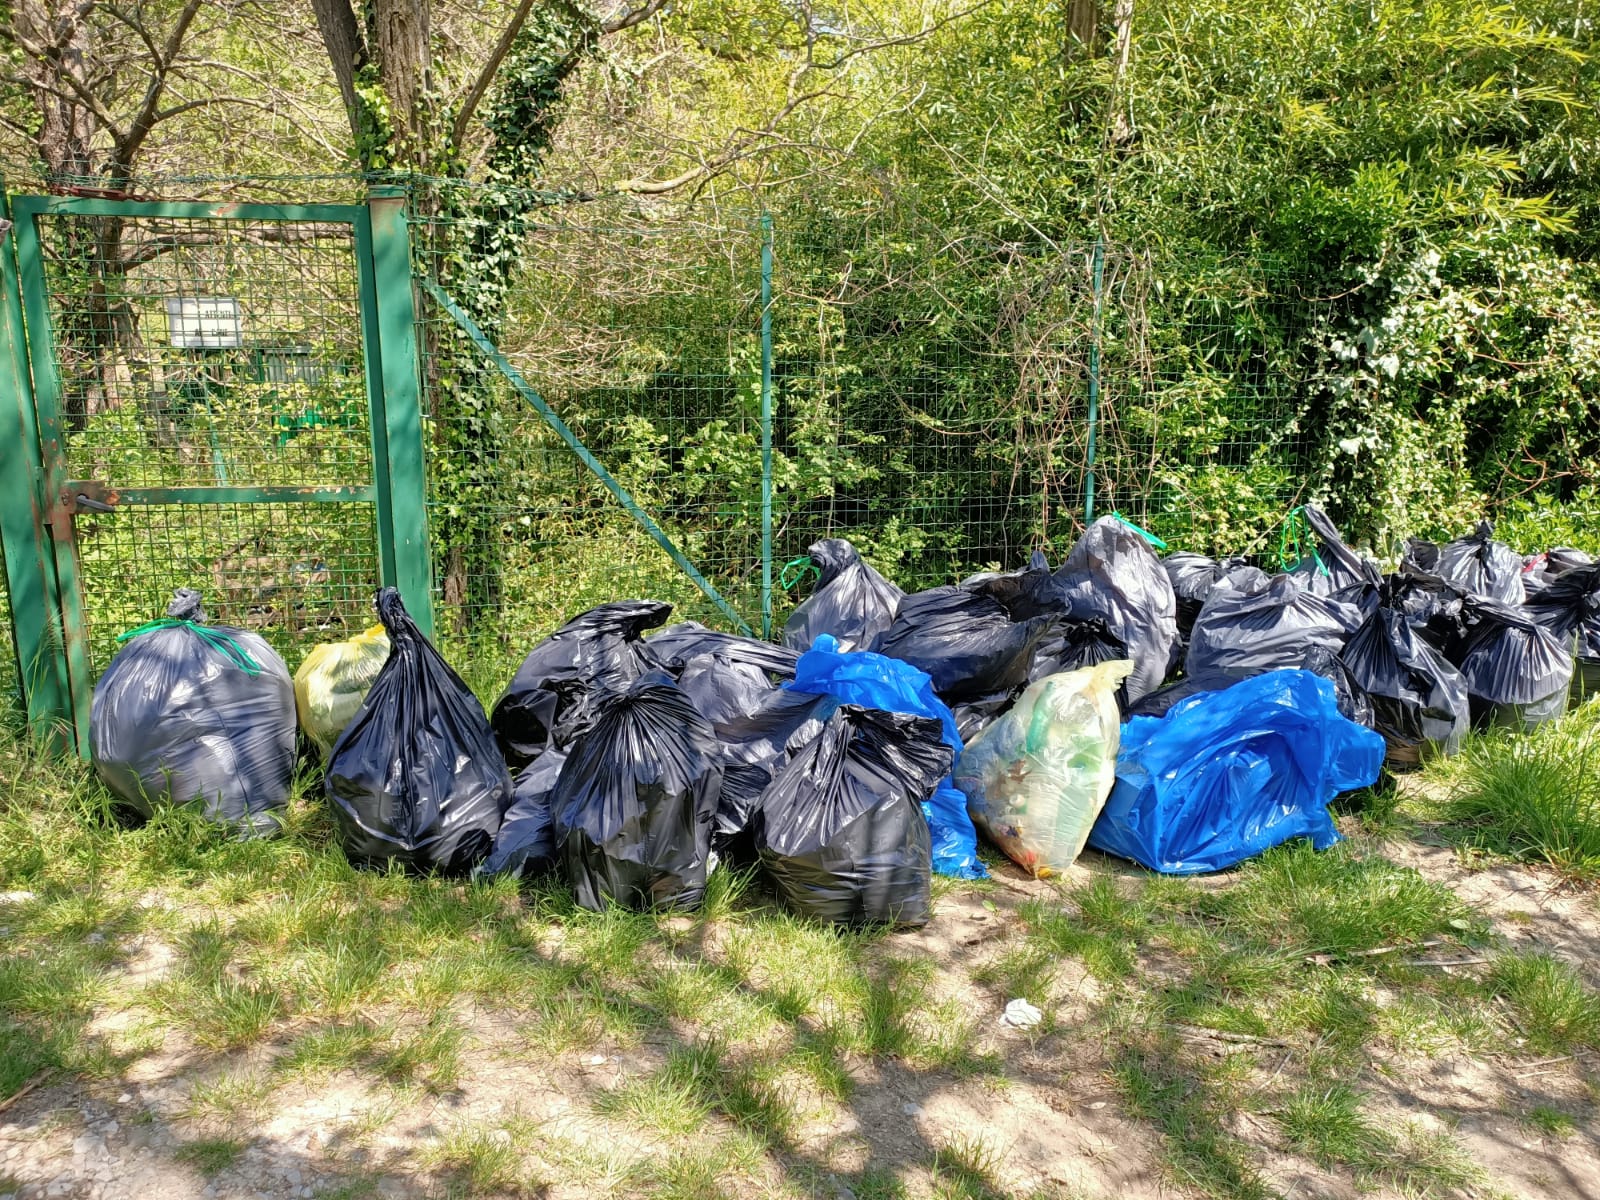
(623, 496)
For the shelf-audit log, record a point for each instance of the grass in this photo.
(1551, 1122)
(488, 1158)
(744, 1036)
(1555, 1011)
(210, 1156)
(1535, 796)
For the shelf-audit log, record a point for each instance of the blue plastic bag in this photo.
(877, 681)
(1225, 775)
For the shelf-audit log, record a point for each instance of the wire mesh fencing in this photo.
(212, 354)
(929, 401)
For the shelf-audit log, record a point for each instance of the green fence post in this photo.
(1099, 265)
(63, 546)
(398, 455)
(30, 577)
(766, 425)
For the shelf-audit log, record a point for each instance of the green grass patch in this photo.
(1551, 1122)
(1554, 1009)
(1338, 902)
(488, 1159)
(1187, 1105)
(210, 1156)
(1534, 796)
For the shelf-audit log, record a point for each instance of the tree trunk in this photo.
(66, 127)
(400, 41)
(1121, 117)
(1083, 29)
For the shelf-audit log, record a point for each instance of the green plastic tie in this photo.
(221, 642)
(1144, 533)
(795, 570)
(1297, 537)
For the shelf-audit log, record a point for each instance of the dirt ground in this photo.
(1050, 1123)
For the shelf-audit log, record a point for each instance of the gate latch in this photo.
(88, 495)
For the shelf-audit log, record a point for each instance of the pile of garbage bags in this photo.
(1182, 712)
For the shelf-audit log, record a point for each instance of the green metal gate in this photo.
(220, 396)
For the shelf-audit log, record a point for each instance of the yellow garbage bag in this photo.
(1037, 778)
(333, 681)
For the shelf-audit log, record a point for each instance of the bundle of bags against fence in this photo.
(1226, 775)
(333, 681)
(852, 602)
(1568, 606)
(191, 713)
(553, 696)
(416, 776)
(1037, 778)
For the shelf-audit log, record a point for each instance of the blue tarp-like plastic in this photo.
(877, 681)
(1225, 775)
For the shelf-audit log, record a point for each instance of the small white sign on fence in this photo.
(204, 322)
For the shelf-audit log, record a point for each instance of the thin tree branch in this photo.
(208, 101)
(732, 152)
(637, 16)
(480, 85)
(128, 145)
(81, 94)
(904, 40)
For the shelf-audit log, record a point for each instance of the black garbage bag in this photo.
(852, 601)
(678, 644)
(636, 800)
(1429, 604)
(1419, 700)
(1483, 566)
(1113, 574)
(974, 716)
(190, 713)
(1569, 607)
(1156, 703)
(1562, 559)
(1021, 592)
(1244, 632)
(1351, 700)
(416, 776)
(841, 830)
(1073, 644)
(756, 745)
(722, 689)
(1348, 695)
(1421, 555)
(553, 696)
(1517, 672)
(1194, 575)
(526, 843)
(964, 640)
(1539, 570)
(1326, 565)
